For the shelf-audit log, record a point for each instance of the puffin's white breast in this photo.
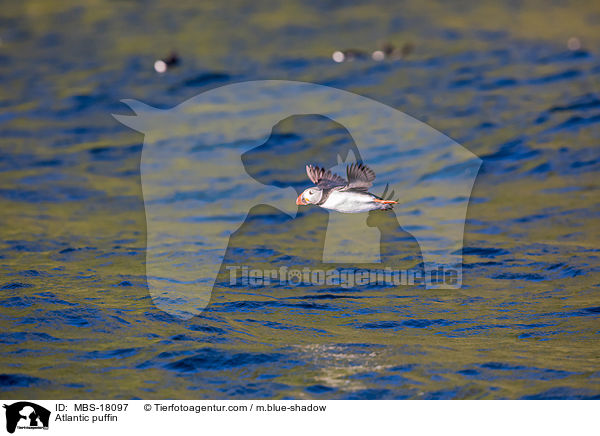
(350, 202)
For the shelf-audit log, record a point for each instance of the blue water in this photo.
(76, 317)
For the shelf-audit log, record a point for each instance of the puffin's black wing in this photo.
(324, 179)
(360, 177)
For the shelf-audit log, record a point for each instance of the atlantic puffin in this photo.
(334, 193)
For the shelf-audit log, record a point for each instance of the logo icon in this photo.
(198, 189)
(26, 415)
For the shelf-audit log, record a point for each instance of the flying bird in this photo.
(333, 192)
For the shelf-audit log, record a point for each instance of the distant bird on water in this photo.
(335, 193)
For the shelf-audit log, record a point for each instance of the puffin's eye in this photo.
(311, 192)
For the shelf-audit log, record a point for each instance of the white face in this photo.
(311, 195)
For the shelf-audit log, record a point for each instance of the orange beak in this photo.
(300, 201)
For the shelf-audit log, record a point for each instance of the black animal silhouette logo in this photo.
(26, 415)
